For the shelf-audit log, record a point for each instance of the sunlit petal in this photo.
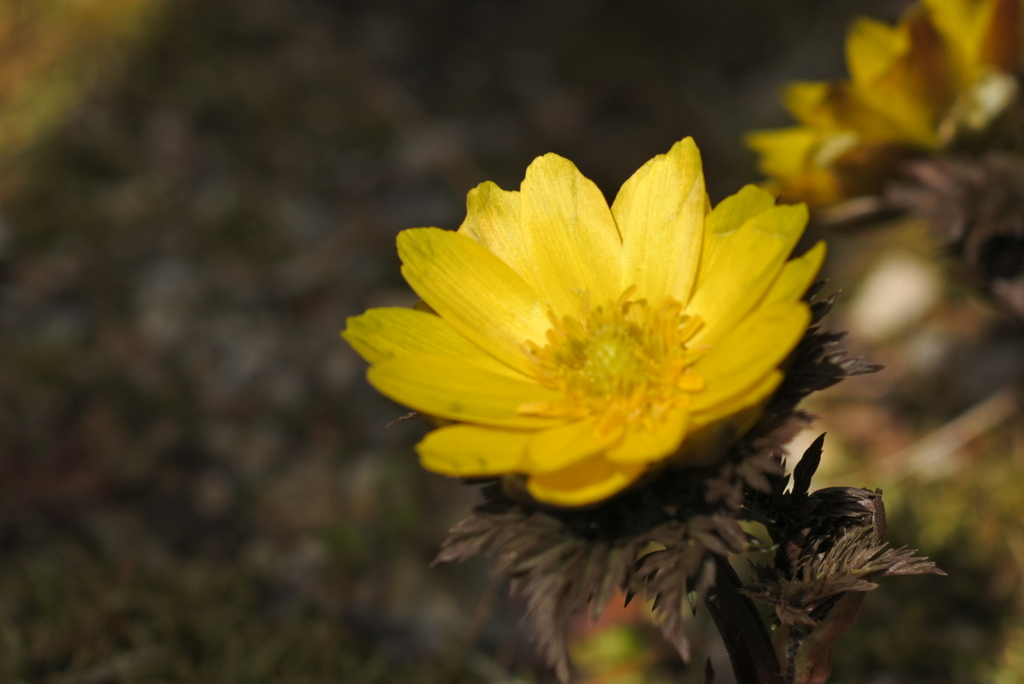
(459, 390)
(738, 410)
(475, 291)
(473, 451)
(796, 277)
(660, 213)
(493, 218)
(584, 483)
(560, 447)
(643, 444)
(384, 333)
(750, 352)
(574, 245)
(741, 260)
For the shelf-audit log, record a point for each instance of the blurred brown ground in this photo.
(196, 483)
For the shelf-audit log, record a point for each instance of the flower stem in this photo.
(745, 636)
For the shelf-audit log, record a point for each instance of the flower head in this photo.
(581, 345)
(944, 72)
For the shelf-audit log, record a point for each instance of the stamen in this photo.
(624, 362)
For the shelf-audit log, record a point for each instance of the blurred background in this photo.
(196, 483)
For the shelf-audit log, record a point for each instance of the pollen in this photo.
(622, 362)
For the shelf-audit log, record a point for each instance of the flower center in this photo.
(622, 362)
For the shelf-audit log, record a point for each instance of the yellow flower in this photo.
(946, 69)
(579, 344)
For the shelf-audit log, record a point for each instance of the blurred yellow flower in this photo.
(580, 344)
(946, 69)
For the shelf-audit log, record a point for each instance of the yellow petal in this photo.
(640, 445)
(808, 102)
(752, 351)
(574, 244)
(730, 419)
(475, 291)
(560, 447)
(796, 277)
(493, 219)
(784, 152)
(884, 65)
(660, 213)
(380, 334)
(873, 48)
(956, 21)
(874, 112)
(735, 210)
(586, 482)
(741, 260)
(788, 155)
(978, 34)
(459, 390)
(473, 451)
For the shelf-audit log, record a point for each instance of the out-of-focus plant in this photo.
(928, 131)
(51, 53)
(622, 380)
(930, 123)
(936, 81)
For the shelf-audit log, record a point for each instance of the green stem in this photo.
(745, 636)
